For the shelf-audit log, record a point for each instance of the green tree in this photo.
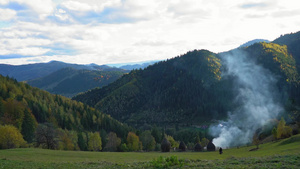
(103, 136)
(174, 144)
(147, 140)
(10, 137)
(94, 143)
(81, 142)
(133, 142)
(156, 134)
(28, 126)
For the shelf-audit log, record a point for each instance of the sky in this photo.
(122, 31)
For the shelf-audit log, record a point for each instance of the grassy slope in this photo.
(283, 153)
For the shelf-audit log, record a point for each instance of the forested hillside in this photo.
(25, 107)
(183, 90)
(191, 89)
(69, 81)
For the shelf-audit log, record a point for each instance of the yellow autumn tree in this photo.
(133, 142)
(283, 131)
(10, 137)
(95, 143)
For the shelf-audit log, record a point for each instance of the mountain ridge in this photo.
(70, 81)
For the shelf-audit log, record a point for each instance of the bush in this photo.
(165, 145)
(166, 162)
(123, 148)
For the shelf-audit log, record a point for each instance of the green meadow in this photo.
(280, 154)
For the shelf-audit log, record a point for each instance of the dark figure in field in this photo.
(220, 150)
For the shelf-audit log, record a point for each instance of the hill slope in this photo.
(184, 90)
(69, 81)
(22, 106)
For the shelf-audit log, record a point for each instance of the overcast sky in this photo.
(119, 31)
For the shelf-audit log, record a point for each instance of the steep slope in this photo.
(69, 81)
(185, 90)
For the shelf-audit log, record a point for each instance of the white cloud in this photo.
(4, 2)
(77, 6)
(7, 14)
(114, 31)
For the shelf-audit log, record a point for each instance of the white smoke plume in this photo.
(256, 100)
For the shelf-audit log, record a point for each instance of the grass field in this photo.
(281, 154)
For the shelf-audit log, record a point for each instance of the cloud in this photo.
(111, 31)
(286, 13)
(77, 6)
(7, 14)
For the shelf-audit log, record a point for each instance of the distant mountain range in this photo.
(39, 70)
(137, 65)
(249, 43)
(70, 81)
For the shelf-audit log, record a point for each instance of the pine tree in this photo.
(28, 126)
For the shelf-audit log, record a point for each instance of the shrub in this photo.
(166, 162)
(123, 147)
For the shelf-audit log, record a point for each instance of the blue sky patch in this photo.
(253, 5)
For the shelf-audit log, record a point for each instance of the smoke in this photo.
(256, 100)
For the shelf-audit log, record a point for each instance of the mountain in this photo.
(192, 89)
(70, 81)
(24, 106)
(38, 70)
(186, 89)
(137, 66)
(249, 43)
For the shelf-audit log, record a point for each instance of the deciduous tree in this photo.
(10, 137)
(133, 142)
(46, 136)
(112, 142)
(147, 140)
(94, 143)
